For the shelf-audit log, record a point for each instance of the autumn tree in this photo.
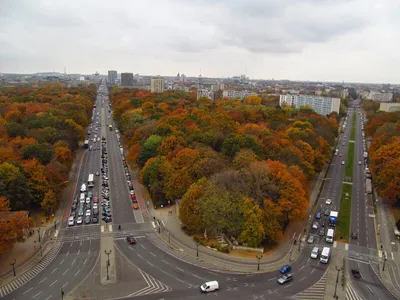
(253, 100)
(253, 229)
(49, 202)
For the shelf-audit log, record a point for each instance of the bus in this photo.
(91, 181)
(86, 144)
(110, 127)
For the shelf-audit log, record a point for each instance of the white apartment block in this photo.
(157, 85)
(231, 94)
(390, 107)
(321, 105)
(381, 97)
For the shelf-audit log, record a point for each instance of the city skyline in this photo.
(308, 41)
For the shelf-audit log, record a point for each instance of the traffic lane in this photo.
(307, 271)
(60, 272)
(369, 286)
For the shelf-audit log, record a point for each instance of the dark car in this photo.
(326, 213)
(130, 239)
(73, 214)
(95, 220)
(73, 207)
(87, 220)
(285, 269)
(107, 219)
(106, 214)
(354, 235)
(96, 212)
(321, 232)
(318, 216)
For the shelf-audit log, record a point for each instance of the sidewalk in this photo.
(24, 253)
(176, 240)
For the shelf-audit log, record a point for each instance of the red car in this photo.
(133, 196)
(130, 239)
(95, 199)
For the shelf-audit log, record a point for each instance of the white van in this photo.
(329, 235)
(210, 286)
(83, 188)
(325, 254)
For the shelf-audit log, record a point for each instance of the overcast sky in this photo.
(329, 40)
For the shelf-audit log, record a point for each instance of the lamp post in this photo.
(169, 237)
(38, 230)
(299, 244)
(62, 293)
(337, 280)
(197, 246)
(108, 256)
(258, 264)
(384, 261)
(13, 266)
(108, 277)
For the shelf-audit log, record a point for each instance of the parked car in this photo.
(321, 232)
(71, 221)
(315, 252)
(318, 215)
(328, 201)
(95, 220)
(79, 220)
(107, 219)
(310, 239)
(315, 225)
(87, 220)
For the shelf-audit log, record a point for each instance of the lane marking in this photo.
(73, 261)
(78, 252)
(77, 272)
(42, 280)
(54, 270)
(48, 297)
(53, 283)
(64, 284)
(143, 246)
(139, 255)
(65, 271)
(165, 262)
(272, 279)
(37, 295)
(62, 261)
(85, 261)
(27, 291)
(180, 269)
(150, 263)
(152, 254)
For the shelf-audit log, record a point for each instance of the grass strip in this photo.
(343, 223)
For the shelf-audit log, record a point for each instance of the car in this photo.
(95, 205)
(79, 220)
(341, 155)
(95, 199)
(135, 205)
(130, 239)
(285, 269)
(323, 224)
(328, 201)
(88, 213)
(318, 215)
(321, 232)
(133, 197)
(73, 213)
(95, 211)
(97, 173)
(98, 147)
(315, 225)
(95, 220)
(80, 213)
(87, 200)
(285, 278)
(107, 219)
(106, 214)
(354, 235)
(87, 220)
(71, 221)
(343, 144)
(315, 252)
(106, 209)
(326, 213)
(359, 162)
(310, 239)
(73, 207)
(75, 201)
(342, 162)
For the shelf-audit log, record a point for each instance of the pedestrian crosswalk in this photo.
(153, 286)
(351, 293)
(25, 277)
(316, 292)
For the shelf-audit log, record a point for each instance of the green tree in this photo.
(50, 135)
(13, 186)
(253, 230)
(150, 148)
(244, 158)
(43, 152)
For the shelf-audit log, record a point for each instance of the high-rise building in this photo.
(321, 105)
(127, 80)
(157, 84)
(112, 77)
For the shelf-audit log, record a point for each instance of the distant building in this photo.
(112, 77)
(127, 80)
(321, 105)
(390, 107)
(381, 97)
(157, 84)
(231, 94)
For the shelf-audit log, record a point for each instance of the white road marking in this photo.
(165, 262)
(37, 295)
(62, 261)
(110, 228)
(152, 254)
(288, 286)
(150, 264)
(272, 279)
(142, 246)
(54, 270)
(312, 271)
(27, 291)
(48, 297)
(65, 271)
(180, 269)
(53, 283)
(139, 255)
(42, 280)
(302, 267)
(302, 279)
(102, 228)
(77, 272)
(67, 253)
(65, 284)
(85, 261)
(217, 274)
(78, 252)
(73, 261)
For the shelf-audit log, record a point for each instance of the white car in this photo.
(71, 221)
(79, 220)
(342, 162)
(314, 252)
(95, 206)
(87, 214)
(328, 201)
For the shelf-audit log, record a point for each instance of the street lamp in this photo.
(62, 293)
(169, 237)
(337, 280)
(299, 244)
(108, 256)
(259, 258)
(197, 246)
(13, 266)
(384, 261)
(39, 233)
(108, 277)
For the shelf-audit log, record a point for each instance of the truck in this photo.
(368, 186)
(333, 216)
(91, 181)
(86, 144)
